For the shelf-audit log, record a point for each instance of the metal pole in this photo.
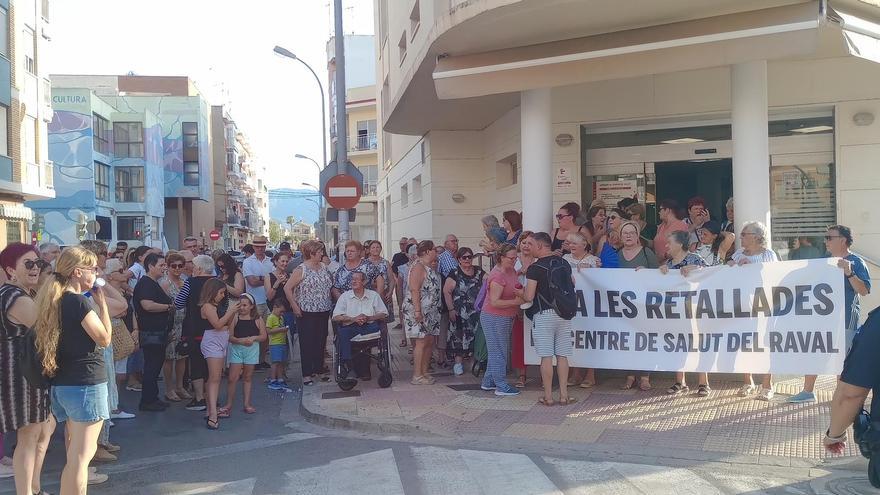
(341, 130)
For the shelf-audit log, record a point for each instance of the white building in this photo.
(490, 105)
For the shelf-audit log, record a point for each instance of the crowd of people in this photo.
(102, 320)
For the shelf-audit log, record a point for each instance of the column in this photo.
(751, 144)
(536, 138)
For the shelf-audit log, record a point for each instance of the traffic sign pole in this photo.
(341, 120)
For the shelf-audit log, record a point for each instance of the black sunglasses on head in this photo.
(30, 264)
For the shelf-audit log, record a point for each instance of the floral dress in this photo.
(464, 295)
(177, 328)
(430, 302)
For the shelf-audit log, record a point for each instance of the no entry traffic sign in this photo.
(342, 191)
(214, 235)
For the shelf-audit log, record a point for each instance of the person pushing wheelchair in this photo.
(358, 311)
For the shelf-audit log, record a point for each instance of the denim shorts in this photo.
(278, 353)
(242, 354)
(80, 403)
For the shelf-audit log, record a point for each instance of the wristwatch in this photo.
(851, 275)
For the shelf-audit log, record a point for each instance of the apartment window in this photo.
(417, 188)
(130, 184)
(506, 172)
(4, 32)
(13, 231)
(4, 130)
(101, 131)
(29, 133)
(128, 139)
(190, 154)
(28, 41)
(102, 181)
(404, 196)
(371, 178)
(366, 135)
(415, 20)
(128, 227)
(401, 46)
(383, 23)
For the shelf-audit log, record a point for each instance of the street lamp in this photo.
(320, 203)
(284, 52)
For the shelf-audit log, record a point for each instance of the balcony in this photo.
(363, 142)
(369, 188)
(233, 219)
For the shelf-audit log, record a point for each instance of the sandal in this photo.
(308, 381)
(223, 412)
(520, 382)
(628, 385)
(703, 390)
(587, 385)
(212, 424)
(546, 402)
(678, 388)
(644, 384)
(567, 400)
(249, 410)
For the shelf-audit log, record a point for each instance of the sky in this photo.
(226, 47)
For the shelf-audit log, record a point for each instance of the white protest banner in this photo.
(785, 317)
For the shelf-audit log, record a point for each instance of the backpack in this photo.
(31, 363)
(559, 282)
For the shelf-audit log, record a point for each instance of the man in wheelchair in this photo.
(358, 311)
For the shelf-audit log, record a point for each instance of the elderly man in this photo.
(358, 312)
(194, 326)
(447, 261)
(49, 251)
(256, 268)
(188, 265)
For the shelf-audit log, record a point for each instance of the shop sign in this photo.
(612, 191)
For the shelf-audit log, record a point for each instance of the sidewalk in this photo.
(722, 426)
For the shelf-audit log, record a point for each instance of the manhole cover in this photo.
(856, 485)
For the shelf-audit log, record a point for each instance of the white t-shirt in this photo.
(256, 268)
(764, 256)
(138, 270)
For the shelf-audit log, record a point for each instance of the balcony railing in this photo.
(369, 188)
(364, 142)
(233, 220)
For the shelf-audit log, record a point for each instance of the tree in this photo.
(290, 221)
(274, 231)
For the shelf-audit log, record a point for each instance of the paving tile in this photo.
(616, 436)
(489, 401)
(490, 422)
(379, 409)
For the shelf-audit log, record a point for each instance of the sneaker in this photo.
(101, 455)
(197, 405)
(6, 471)
(766, 394)
(120, 414)
(272, 385)
(134, 387)
(96, 478)
(804, 396)
(184, 395)
(458, 369)
(487, 388)
(110, 423)
(747, 390)
(109, 447)
(506, 390)
(6, 461)
(282, 387)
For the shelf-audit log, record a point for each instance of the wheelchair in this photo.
(362, 352)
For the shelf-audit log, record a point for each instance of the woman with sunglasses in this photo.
(228, 272)
(499, 310)
(713, 244)
(175, 364)
(566, 217)
(24, 409)
(460, 292)
(604, 235)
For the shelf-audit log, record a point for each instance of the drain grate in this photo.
(341, 395)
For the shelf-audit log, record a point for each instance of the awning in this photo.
(16, 212)
(774, 33)
(861, 37)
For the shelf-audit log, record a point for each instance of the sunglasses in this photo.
(829, 237)
(466, 257)
(30, 264)
(176, 265)
(560, 216)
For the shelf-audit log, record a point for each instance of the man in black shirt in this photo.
(153, 308)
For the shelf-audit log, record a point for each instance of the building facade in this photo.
(25, 109)
(131, 156)
(361, 127)
(493, 105)
(240, 206)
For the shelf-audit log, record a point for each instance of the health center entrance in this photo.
(680, 162)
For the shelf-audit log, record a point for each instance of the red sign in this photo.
(214, 235)
(342, 191)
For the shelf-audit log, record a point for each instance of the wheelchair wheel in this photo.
(347, 384)
(385, 379)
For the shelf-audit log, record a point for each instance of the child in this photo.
(244, 352)
(277, 348)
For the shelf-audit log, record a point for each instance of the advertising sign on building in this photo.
(612, 191)
(564, 179)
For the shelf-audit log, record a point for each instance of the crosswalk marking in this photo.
(495, 472)
(374, 473)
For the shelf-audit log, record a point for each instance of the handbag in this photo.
(123, 344)
(183, 347)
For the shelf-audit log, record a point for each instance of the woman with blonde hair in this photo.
(70, 337)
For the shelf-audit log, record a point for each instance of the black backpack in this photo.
(31, 363)
(559, 282)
